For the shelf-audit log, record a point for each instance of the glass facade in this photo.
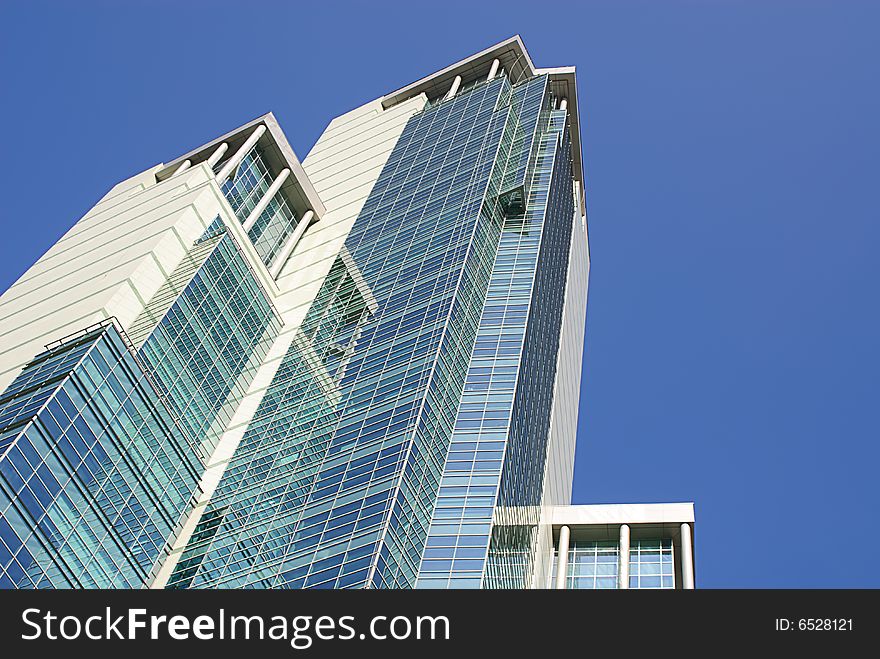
(243, 191)
(515, 334)
(95, 485)
(512, 547)
(651, 564)
(592, 565)
(269, 479)
(595, 564)
(402, 440)
(94, 473)
(336, 480)
(206, 349)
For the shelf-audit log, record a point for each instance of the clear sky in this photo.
(731, 153)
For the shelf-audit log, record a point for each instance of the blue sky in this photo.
(732, 157)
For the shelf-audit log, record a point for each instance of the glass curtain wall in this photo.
(512, 549)
(461, 522)
(595, 564)
(244, 189)
(95, 474)
(206, 349)
(334, 482)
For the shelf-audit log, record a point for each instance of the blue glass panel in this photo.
(94, 482)
(345, 451)
(206, 349)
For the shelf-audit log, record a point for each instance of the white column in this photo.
(291, 243)
(687, 558)
(454, 89)
(236, 159)
(185, 165)
(214, 158)
(494, 70)
(562, 558)
(623, 558)
(264, 200)
(563, 104)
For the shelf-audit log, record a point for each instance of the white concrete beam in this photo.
(185, 165)
(254, 215)
(687, 558)
(623, 558)
(291, 243)
(494, 70)
(239, 155)
(562, 558)
(454, 89)
(214, 158)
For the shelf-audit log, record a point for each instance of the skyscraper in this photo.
(361, 371)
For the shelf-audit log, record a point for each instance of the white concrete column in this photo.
(623, 558)
(454, 89)
(687, 558)
(214, 158)
(185, 165)
(563, 104)
(239, 155)
(494, 70)
(291, 243)
(562, 558)
(264, 200)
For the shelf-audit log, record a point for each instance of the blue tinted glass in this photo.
(99, 494)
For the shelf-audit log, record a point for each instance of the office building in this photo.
(638, 546)
(359, 371)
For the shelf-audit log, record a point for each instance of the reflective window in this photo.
(335, 480)
(591, 565)
(651, 564)
(594, 564)
(208, 345)
(95, 478)
(244, 189)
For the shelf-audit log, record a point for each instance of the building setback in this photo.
(359, 371)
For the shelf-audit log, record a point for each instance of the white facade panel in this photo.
(109, 264)
(559, 468)
(343, 179)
